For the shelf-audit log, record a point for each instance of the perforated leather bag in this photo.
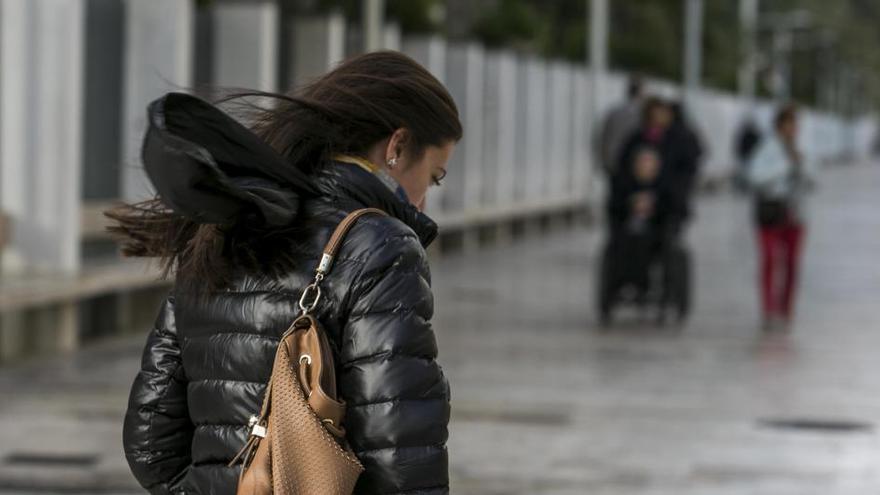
(297, 442)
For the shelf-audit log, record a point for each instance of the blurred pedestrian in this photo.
(651, 132)
(686, 150)
(619, 125)
(780, 176)
(241, 216)
(745, 142)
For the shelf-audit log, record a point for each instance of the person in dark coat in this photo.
(653, 132)
(685, 153)
(240, 218)
(678, 146)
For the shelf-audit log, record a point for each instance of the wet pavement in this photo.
(545, 402)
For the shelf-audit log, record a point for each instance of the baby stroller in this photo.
(648, 269)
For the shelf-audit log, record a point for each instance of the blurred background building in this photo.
(531, 78)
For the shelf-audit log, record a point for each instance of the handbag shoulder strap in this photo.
(312, 293)
(313, 290)
(333, 245)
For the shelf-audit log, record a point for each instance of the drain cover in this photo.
(51, 459)
(819, 425)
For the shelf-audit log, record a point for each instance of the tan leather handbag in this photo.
(297, 443)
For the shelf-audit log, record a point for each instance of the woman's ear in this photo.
(397, 144)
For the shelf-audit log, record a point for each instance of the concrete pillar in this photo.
(530, 134)
(246, 41)
(464, 65)
(598, 50)
(391, 37)
(559, 105)
(41, 119)
(499, 106)
(373, 20)
(536, 130)
(318, 45)
(431, 53)
(499, 154)
(693, 49)
(748, 18)
(521, 131)
(105, 42)
(581, 130)
(158, 59)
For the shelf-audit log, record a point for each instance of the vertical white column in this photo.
(158, 59)
(373, 20)
(581, 129)
(464, 65)
(521, 131)
(431, 53)
(536, 130)
(246, 37)
(318, 45)
(15, 92)
(391, 36)
(491, 127)
(559, 124)
(102, 81)
(748, 17)
(42, 120)
(500, 106)
(598, 50)
(693, 49)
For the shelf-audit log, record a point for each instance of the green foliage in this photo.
(416, 16)
(721, 44)
(645, 36)
(510, 23)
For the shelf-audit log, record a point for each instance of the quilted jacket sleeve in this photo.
(157, 431)
(397, 395)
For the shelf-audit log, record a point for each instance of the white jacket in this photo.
(772, 174)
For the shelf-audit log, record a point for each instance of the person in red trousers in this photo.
(781, 177)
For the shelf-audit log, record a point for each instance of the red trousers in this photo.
(780, 253)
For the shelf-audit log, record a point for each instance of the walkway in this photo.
(544, 403)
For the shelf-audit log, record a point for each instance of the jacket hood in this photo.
(210, 168)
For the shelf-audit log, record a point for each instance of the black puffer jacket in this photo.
(206, 363)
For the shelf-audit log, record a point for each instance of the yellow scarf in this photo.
(357, 160)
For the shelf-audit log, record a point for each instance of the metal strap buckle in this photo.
(312, 291)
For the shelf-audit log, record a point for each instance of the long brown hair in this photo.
(349, 109)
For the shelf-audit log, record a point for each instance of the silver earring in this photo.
(392, 162)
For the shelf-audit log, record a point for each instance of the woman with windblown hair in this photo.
(240, 218)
